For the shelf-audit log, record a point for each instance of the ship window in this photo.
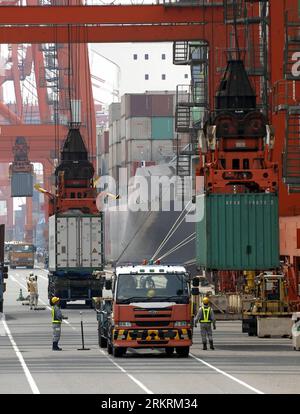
(163, 76)
(186, 76)
(236, 164)
(78, 195)
(163, 56)
(146, 76)
(72, 195)
(146, 56)
(135, 56)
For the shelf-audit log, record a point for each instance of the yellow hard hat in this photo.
(150, 293)
(54, 300)
(205, 300)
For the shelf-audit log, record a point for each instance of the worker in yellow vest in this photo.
(57, 318)
(207, 318)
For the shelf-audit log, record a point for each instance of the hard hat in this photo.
(54, 300)
(205, 300)
(150, 293)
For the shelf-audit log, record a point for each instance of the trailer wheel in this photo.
(183, 351)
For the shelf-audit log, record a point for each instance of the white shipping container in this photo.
(124, 99)
(123, 127)
(118, 153)
(114, 112)
(138, 128)
(110, 157)
(162, 149)
(75, 242)
(123, 157)
(116, 131)
(139, 150)
(111, 132)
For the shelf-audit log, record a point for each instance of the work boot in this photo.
(55, 347)
(211, 345)
(205, 346)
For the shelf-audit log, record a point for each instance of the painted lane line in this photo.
(28, 375)
(2, 329)
(244, 384)
(44, 303)
(136, 381)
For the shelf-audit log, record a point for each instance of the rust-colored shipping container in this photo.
(162, 105)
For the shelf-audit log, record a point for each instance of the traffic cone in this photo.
(21, 297)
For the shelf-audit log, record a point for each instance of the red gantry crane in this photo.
(211, 22)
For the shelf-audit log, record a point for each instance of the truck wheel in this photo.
(119, 352)
(183, 351)
(169, 350)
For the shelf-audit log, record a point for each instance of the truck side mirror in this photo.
(196, 282)
(108, 284)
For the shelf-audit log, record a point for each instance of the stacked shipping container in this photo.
(141, 128)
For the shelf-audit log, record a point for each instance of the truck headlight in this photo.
(181, 323)
(127, 324)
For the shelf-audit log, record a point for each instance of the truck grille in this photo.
(150, 315)
(152, 323)
(152, 309)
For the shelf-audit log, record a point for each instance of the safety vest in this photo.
(205, 314)
(53, 316)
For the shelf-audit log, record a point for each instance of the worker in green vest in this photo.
(57, 318)
(207, 318)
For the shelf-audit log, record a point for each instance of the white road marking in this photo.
(28, 375)
(44, 303)
(2, 329)
(139, 383)
(228, 375)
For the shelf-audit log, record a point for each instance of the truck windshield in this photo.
(153, 288)
(23, 248)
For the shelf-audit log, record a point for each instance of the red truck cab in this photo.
(150, 308)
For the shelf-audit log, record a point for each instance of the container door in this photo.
(86, 242)
(91, 236)
(96, 242)
(67, 242)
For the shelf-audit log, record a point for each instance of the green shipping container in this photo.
(162, 127)
(237, 231)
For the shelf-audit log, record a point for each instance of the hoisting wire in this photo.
(184, 242)
(171, 232)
